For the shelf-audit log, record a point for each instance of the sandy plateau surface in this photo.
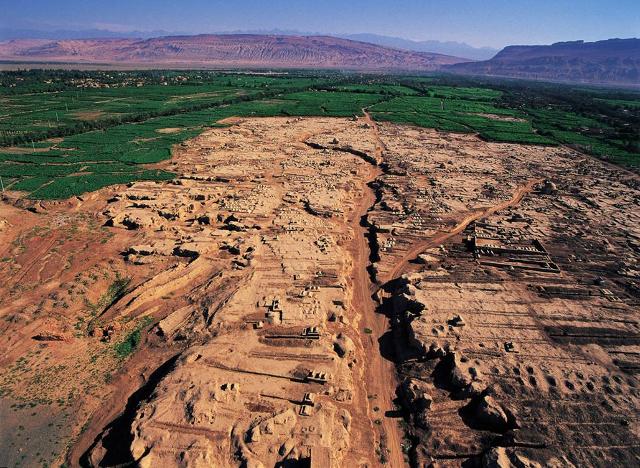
(327, 292)
(511, 277)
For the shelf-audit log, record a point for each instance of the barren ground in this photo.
(293, 295)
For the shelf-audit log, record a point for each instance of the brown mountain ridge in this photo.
(615, 61)
(235, 50)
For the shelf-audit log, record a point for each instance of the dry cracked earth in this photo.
(327, 292)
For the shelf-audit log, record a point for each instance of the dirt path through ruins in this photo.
(442, 237)
(379, 373)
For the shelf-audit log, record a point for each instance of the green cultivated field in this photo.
(457, 113)
(64, 133)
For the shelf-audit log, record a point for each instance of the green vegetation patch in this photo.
(131, 341)
(69, 186)
(30, 184)
(460, 115)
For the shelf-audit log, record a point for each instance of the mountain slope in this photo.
(227, 51)
(457, 49)
(610, 61)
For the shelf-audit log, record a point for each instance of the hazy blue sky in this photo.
(481, 23)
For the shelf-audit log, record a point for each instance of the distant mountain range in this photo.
(457, 49)
(227, 50)
(614, 61)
